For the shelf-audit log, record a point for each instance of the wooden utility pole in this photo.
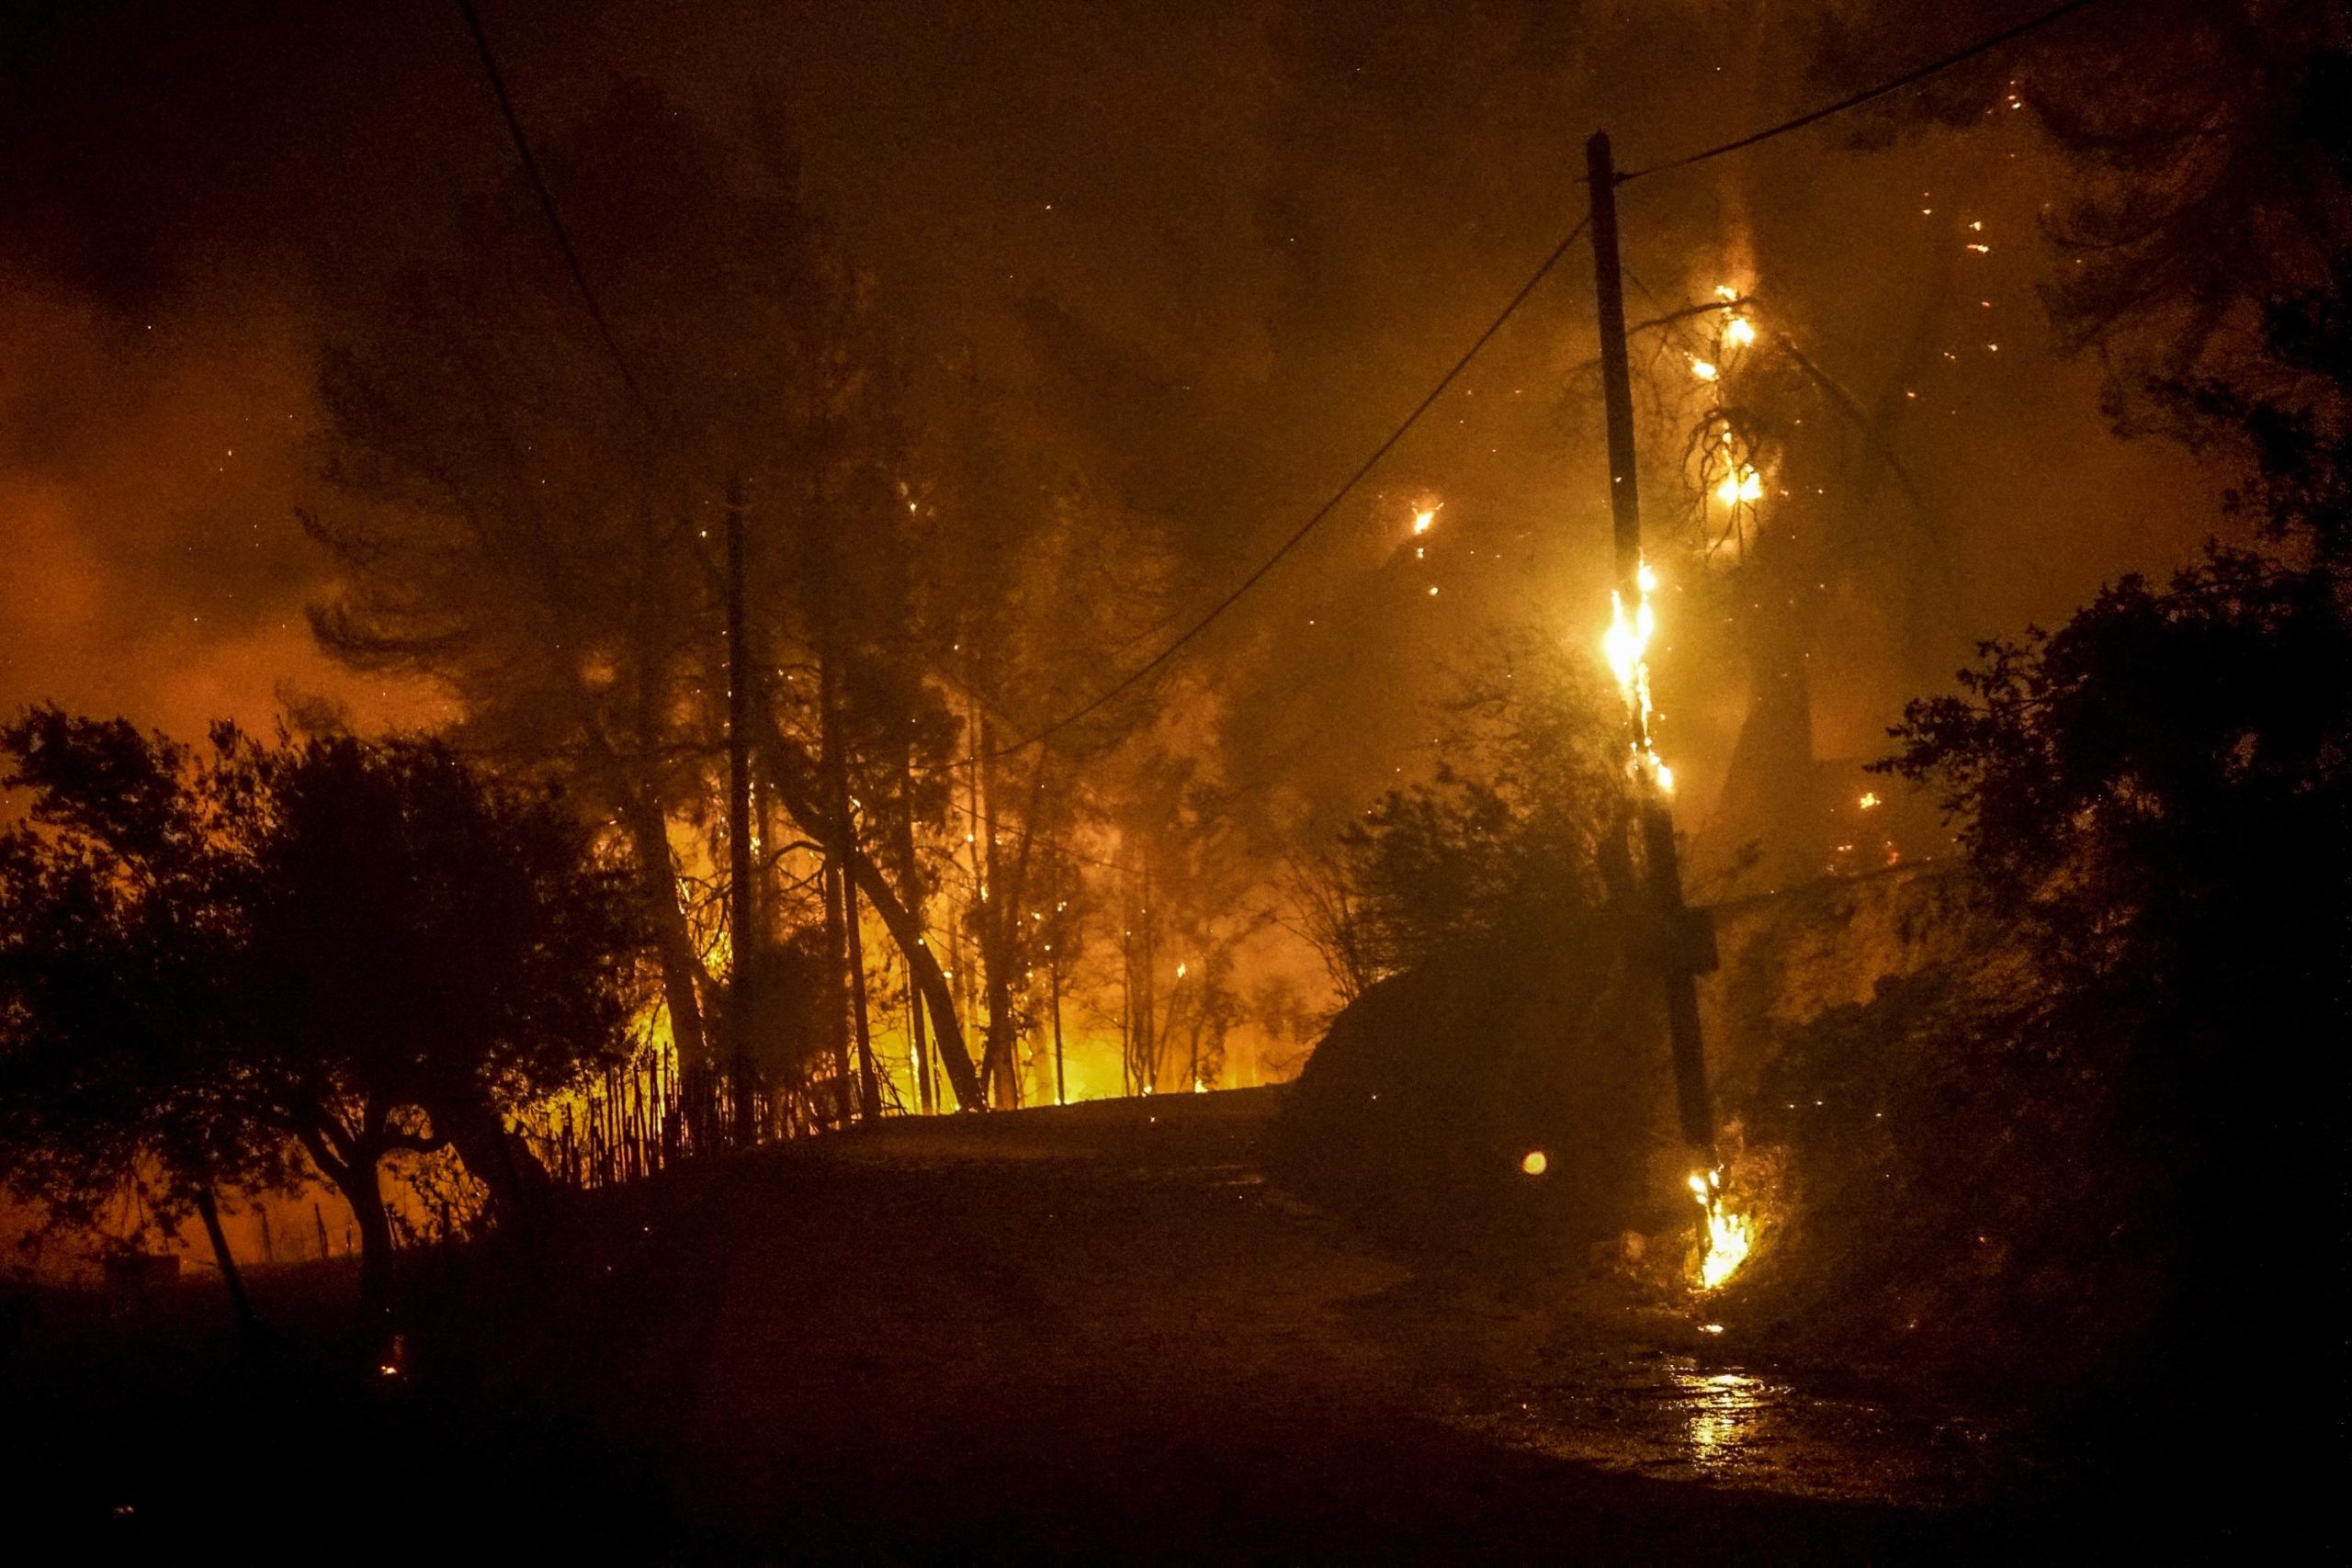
(742, 914)
(1677, 939)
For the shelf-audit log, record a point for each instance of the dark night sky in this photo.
(1220, 247)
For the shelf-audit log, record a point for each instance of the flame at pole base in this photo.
(1729, 1236)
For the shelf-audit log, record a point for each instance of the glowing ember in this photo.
(1870, 800)
(1743, 484)
(1421, 520)
(1536, 1163)
(1729, 1235)
(1704, 371)
(1740, 331)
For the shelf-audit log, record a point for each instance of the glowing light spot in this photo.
(1535, 1163)
(1870, 800)
(1704, 371)
(1740, 331)
(1421, 520)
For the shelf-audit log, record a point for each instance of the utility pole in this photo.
(741, 914)
(1680, 943)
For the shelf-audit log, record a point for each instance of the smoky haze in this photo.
(1207, 255)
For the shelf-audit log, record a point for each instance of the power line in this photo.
(547, 206)
(982, 818)
(1896, 84)
(1314, 520)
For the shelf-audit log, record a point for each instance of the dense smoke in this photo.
(1204, 258)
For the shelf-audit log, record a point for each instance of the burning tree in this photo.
(913, 588)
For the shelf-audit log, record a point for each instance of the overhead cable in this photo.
(1298, 536)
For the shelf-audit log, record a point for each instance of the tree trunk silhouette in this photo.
(208, 1211)
(520, 1187)
(791, 770)
(366, 1191)
(681, 965)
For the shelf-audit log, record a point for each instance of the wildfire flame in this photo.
(1729, 1235)
(1421, 520)
(1626, 646)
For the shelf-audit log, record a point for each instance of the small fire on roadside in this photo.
(1729, 1234)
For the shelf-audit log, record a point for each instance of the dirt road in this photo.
(1091, 1333)
(1096, 1333)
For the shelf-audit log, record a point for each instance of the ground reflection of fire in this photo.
(1721, 1413)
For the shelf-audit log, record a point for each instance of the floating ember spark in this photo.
(1870, 800)
(1536, 1163)
(1729, 1235)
